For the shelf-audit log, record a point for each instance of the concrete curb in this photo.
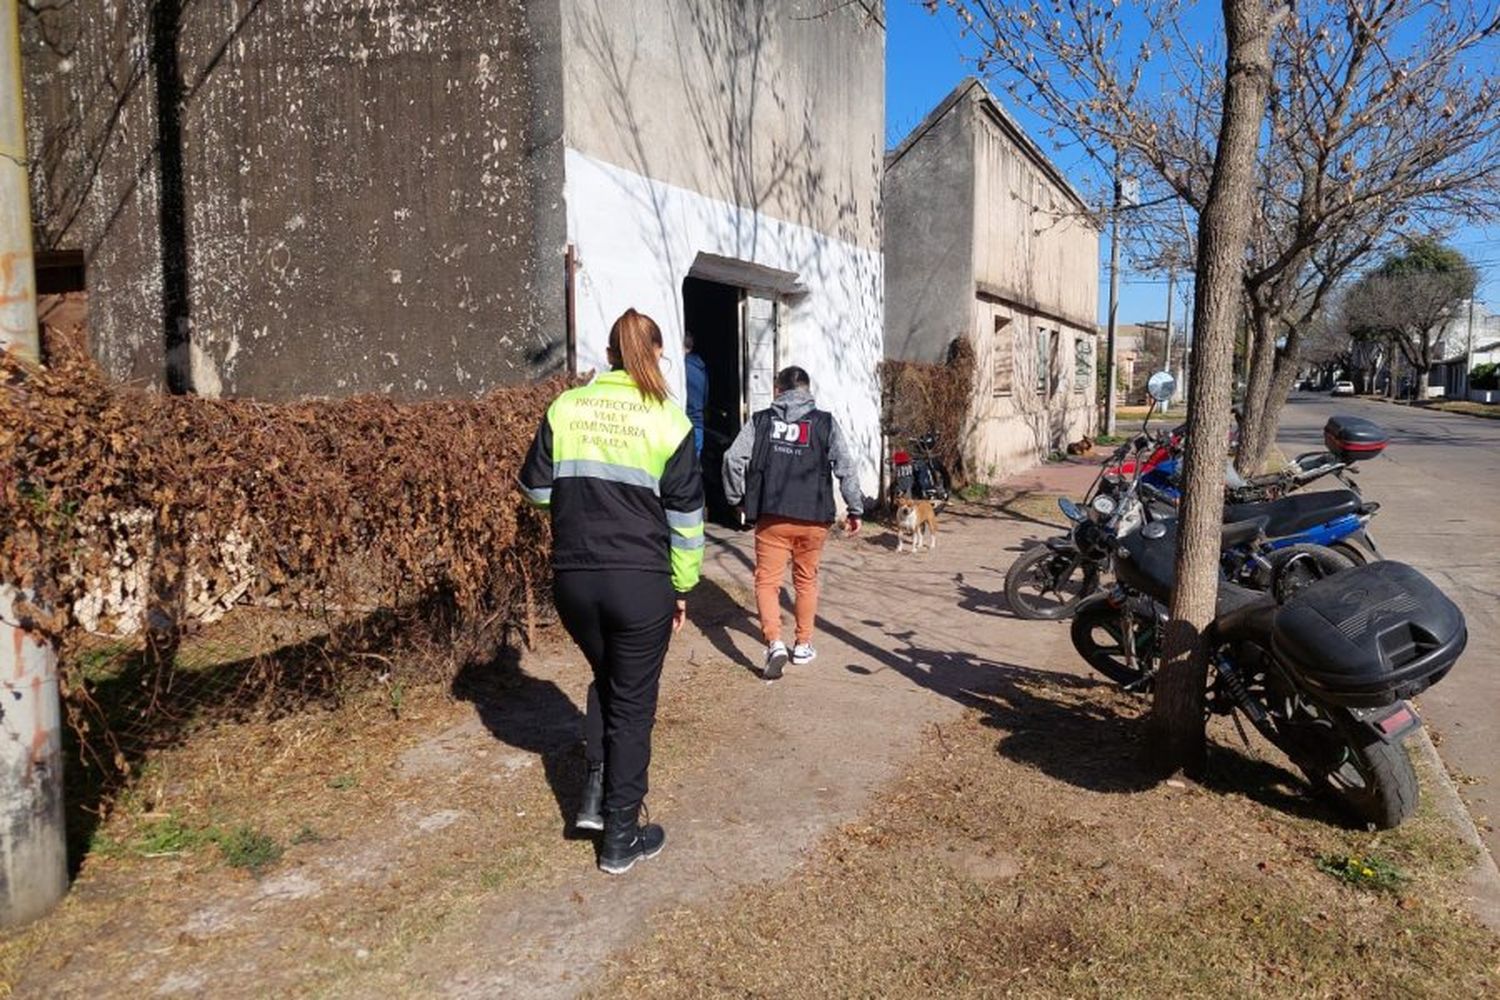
(1484, 876)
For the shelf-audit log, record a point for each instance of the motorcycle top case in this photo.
(1354, 439)
(1369, 636)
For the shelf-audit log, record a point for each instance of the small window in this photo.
(1003, 368)
(1083, 363)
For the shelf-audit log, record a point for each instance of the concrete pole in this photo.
(1114, 304)
(1166, 350)
(1469, 352)
(33, 849)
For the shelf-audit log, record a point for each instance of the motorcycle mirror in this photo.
(1070, 509)
(1161, 386)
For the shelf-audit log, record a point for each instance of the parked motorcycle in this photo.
(1050, 580)
(919, 473)
(1322, 667)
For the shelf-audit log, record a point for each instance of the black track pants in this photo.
(622, 620)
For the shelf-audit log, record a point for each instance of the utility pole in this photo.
(1114, 303)
(33, 850)
(1469, 354)
(1166, 350)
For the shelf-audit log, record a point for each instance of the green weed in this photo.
(249, 848)
(170, 836)
(1362, 872)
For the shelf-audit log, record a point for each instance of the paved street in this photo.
(1439, 489)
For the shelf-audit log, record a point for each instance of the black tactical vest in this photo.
(789, 474)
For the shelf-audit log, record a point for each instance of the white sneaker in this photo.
(775, 660)
(803, 653)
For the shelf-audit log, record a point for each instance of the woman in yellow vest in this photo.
(615, 463)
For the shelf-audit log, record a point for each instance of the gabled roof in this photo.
(1003, 120)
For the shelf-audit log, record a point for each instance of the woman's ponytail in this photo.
(635, 342)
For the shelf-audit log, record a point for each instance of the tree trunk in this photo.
(1176, 728)
(1253, 432)
(1257, 440)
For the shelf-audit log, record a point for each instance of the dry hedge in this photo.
(919, 397)
(123, 509)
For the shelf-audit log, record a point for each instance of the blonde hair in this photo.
(634, 341)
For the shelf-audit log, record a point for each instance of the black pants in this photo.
(622, 620)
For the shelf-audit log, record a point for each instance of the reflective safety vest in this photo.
(619, 473)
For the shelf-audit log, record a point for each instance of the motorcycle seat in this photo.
(1297, 513)
(1242, 613)
(1239, 532)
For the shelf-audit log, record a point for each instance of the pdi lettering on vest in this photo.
(799, 433)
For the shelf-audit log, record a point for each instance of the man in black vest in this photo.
(778, 469)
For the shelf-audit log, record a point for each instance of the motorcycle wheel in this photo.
(1370, 780)
(1099, 637)
(942, 488)
(1296, 566)
(1351, 552)
(1066, 576)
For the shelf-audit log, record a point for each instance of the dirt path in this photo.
(805, 754)
(424, 853)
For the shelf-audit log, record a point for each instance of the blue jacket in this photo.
(697, 394)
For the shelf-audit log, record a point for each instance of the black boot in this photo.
(591, 808)
(626, 841)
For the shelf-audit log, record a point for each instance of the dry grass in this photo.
(1491, 410)
(396, 813)
(983, 874)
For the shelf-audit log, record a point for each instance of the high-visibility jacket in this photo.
(620, 475)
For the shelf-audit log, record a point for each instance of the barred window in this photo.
(1083, 363)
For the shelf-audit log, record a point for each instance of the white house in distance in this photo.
(986, 239)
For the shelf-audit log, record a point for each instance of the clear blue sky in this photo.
(925, 60)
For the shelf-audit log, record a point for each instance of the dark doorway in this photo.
(711, 313)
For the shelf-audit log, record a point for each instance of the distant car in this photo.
(1343, 388)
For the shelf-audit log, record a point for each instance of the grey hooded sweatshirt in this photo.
(791, 407)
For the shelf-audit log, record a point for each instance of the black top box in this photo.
(1370, 636)
(1354, 439)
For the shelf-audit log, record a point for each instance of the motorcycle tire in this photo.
(1098, 636)
(1373, 784)
(1296, 566)
(1351, 552)
(938, 488)
(1025, 596)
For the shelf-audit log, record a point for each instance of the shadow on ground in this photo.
(530, 714)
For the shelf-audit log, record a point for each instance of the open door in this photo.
(759, 326)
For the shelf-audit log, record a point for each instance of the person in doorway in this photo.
(615, 463)
(697, 389)
(778, 470)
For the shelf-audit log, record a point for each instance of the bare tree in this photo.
(1384, 120)
(1380, 126)
(1409, 300)
(1085, 66)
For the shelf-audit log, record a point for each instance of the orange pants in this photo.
(777, 540)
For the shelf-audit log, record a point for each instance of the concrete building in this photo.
(986, 239)
(1468, 337)
(344, 196)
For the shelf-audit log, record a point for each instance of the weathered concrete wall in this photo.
(984, 239)
(1033, 244)
(773, 105)
(747, 131)
(370, 190)
(1017, 421)
(929, 241)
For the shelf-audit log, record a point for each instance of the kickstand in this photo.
(1240, 726)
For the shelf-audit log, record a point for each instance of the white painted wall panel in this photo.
(636, 240)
